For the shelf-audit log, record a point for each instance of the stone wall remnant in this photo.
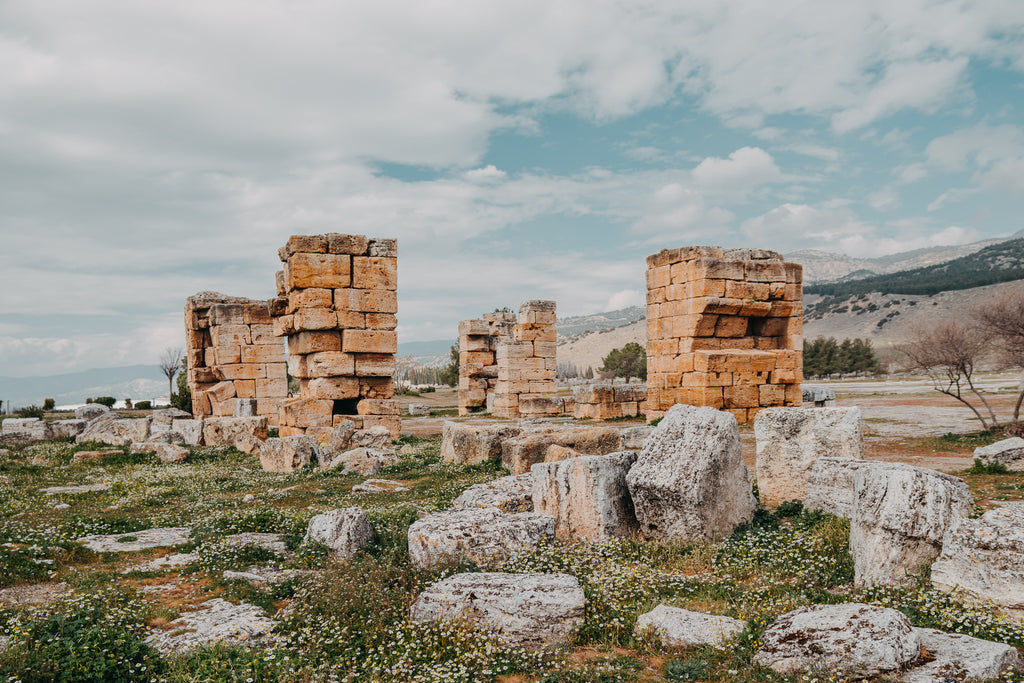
(609, 401)
(337, 306)
(527, 365)
(724, 330)
(478, 360)
(233, 353)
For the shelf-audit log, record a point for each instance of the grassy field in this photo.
(348, 622)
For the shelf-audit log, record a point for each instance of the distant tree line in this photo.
(824, 357)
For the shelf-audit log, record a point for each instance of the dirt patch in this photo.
(35, 594)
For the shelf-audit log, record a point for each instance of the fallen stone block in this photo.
(519, 453)
(852, 639)
(165, 452)
(985, 556)
(215, 621)
(288, 453)
(167, 416)
(789, 440)
(63, 429)
(190, 430)
(374, 437)
(419, 409)
(587, 496)
(509, 494)
(84, 488)
(264, 576)
(137, 540)
(90, 411)
(830, 486)
(379, 486)
(533, 610)
(275, 543)
(475, 534)
(900, 516)
(467, 444)
(677, 627)
(229, 431)
(363, 461)
(689, 481)
(960, 658)
(821, 397)
(633, 438)
(1008, 453)
(86, 456)
(345, 531)
(159, 564)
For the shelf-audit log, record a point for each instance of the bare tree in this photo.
(170, 362)
(948, 351)
(1001, 319)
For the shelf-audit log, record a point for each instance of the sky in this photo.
(517, 150)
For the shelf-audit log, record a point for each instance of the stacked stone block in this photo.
(527, 365)
(724, 329)
(610, 401)
(337, 305)
(478, 360)
(233, 353)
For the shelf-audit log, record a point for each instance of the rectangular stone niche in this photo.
(337, 306)
(233, 353)
(724, 329)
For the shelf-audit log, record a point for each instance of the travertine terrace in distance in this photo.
(478, 357)
(233, 353)
(527, 365)
(337, 305)
(724, 329)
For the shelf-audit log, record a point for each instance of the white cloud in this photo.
(994, 153)
(884, 200)
(745, 169)
(625, 299)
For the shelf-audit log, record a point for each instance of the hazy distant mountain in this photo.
(137, 382)
(822, 266)
(575, 325)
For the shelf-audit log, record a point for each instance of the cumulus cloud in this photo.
(745, 169)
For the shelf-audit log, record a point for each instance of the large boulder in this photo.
(530, 446)
(587, 496)
(830, 486)
(467, 444)
(677, 627)
(90, 411)
(1008, 452)
(475, 534)
(960, 658)
(363, 461)
(508, 494)
(239, 432)
(288, 453)
(534, 610)
(985, 556)
(900, 515)
(789, 440)
(689, 481)
(852, 639)
(345, 531)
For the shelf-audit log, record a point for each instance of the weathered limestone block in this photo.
(789, 440)
(508, 494)
(345, 531)
(245, 407)
(165, 452)
(677, 627)
(854, 639)
(107, 428)
(167, 416)
(689, 482)
(63, 429)
(468, 444)
(419, 409)
(900, 515)
(633, 438)
(830, 486)
(215, 621)
(587, 496)
(1008, 452)
(377, 437)
(534, 610)
(529, 447)
(90, 411)
(475, 534)
(959, 657)
(190, 430)
(227, 431)
(364, 461)
(288, 453)
(821, 397)
(556, 453)
(985, 556)
(341, 438)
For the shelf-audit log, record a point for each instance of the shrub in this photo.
(107, 401)
(143, 405)
(30, 411)
(49, 403)
(987, 468)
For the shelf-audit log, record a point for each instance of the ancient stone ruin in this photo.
(233, 354)
(609, 401)
(337, 306)
(724, 330)
(478, 358)
(508, 365)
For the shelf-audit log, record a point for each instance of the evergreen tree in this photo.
(629, 361)
(450, 374)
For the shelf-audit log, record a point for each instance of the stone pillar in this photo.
(478, 363)
(339, 314)
(724, 329)
(527, 366)
(233, 353)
